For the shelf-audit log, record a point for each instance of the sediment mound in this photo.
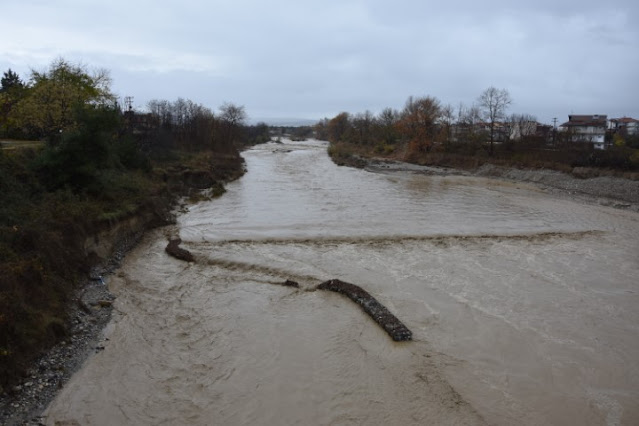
(174, 249)
(382, 316)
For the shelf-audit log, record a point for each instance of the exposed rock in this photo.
(174, 249)
(351, 161)
(382, 316)
(84, 307)
(22, 403)
(290, 283)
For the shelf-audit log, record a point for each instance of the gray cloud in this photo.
(313, 59)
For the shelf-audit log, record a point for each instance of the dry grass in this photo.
(9, 144)
(581, 162)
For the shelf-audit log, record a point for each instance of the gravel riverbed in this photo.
(90, 311)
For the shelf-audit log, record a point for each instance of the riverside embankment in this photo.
(521, 305)
(102, 246)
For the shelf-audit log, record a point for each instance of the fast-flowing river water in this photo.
(524, 306)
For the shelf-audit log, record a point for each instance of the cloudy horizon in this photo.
(310, 60)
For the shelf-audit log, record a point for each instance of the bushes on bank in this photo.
(469, 155)
(96, 165)
(40, 258)
(51, 201)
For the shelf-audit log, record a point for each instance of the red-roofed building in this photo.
(625, 126)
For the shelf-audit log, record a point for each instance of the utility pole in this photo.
(128, 103)
(554, 129)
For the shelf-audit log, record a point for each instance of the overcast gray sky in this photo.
(313, 59)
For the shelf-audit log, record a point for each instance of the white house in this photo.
(587, 128)
(527, 128)
(625, 126)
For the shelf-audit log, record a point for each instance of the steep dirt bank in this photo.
(89, 311)
(605, 190)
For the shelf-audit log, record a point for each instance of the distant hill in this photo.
(284, 122)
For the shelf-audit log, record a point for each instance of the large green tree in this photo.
(10, 82)
(48, 109)
(12, 89)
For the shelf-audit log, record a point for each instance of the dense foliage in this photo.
(97, 165)
(51, 200)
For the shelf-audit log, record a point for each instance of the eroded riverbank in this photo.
(89, 307)
(521, 304)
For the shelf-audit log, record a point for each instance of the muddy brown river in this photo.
(524, 306)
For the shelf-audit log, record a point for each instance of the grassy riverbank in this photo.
(49, 234)
(77, 174)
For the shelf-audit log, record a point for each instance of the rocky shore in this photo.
(91, 312)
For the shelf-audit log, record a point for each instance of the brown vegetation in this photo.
(426, 132)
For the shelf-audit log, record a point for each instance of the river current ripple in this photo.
(524, 307)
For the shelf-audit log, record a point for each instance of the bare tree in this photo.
(468, 119)
(363, 127)
(387, 125)
(231, 119)
(233, 114)
(521, 126)
(446, 120)
(182, 123)
(494, 103)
